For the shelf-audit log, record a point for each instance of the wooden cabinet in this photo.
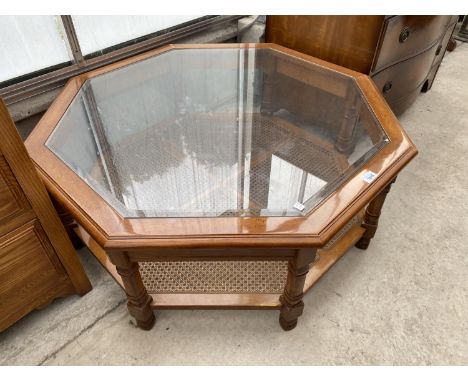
(403, 37)
(13, 203)
(401, 53)
(37, 260)
(393, 81)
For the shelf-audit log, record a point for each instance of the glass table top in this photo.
(206, 132)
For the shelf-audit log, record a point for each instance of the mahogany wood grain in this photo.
(371, 45)
(413, 70)
(404, 37)
(348, 41)
(443, 48)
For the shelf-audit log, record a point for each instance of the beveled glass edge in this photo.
(355, 168)
(95, 188)
(220, 46)
(325, 67)
(65, 112)
(308, 210)
(314, 201)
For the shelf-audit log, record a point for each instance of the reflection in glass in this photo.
(217, 132)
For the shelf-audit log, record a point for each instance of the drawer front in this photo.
(403, 78)
(12, 199)
(404, 103)
(441, 49)
(443, 44)
(30, 274)
(406, 36)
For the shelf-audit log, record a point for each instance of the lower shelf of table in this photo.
(325, 260)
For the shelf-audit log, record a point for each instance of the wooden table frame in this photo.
(120, 243)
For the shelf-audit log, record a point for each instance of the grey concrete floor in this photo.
(404, 301)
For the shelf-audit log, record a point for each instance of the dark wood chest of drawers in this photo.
(401, 53)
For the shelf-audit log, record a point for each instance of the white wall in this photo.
(100, 32)
(30, 43)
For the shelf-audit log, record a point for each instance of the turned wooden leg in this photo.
(69, 223)
(371, 218)
(291, 299)
(139, 302)
(270, 88)
(452, 44)
(345, 140)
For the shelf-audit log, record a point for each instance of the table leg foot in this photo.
(142, 313)
(289, 316)
(286, 326)
(292, 305)
(138, 299)
(148, 325)
(363, 243)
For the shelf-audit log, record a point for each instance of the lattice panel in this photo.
(214, 276)
(223, 276)
(316, 157)
(190, 166)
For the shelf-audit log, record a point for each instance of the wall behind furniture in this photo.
(100, 32)
(31, 43)
(35, 43)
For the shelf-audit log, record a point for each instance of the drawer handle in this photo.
(439, 48)
(387, 87)
(404, 34)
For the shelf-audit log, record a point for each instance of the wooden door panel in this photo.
(12, 199)
(30, 275)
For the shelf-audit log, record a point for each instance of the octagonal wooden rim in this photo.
(112, 231)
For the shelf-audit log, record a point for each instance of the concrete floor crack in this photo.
(53, 354)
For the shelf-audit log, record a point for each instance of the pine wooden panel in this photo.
(30, 275)
(12, 200)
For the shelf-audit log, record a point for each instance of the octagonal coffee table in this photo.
(219, 176)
